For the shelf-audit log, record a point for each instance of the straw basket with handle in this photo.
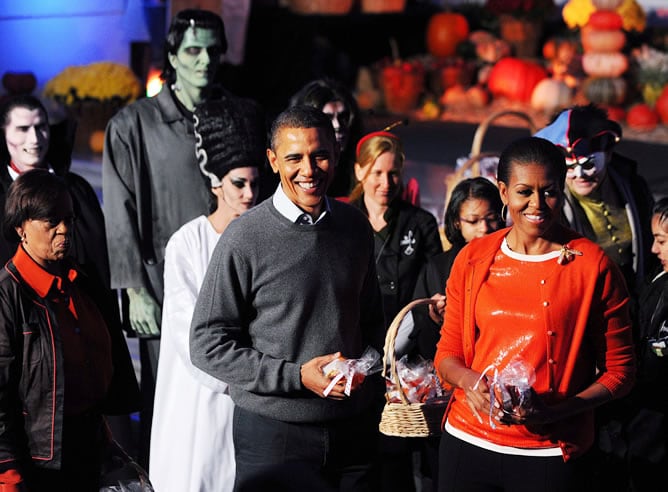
(471, 167)
(406, 419)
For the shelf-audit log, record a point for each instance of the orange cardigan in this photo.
(585, 310)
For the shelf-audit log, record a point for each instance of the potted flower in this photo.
(521, 23)
(92, 94)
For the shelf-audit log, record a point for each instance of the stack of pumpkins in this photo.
(603, 40)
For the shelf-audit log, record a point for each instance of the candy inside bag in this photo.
(511, 387)
(353, 370)
(419, 382)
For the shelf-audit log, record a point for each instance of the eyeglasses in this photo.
(490, 220)
(586, 146)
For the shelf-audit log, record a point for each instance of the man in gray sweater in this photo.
(290, 287)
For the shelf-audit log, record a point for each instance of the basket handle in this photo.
(390, 339)
(484, 125)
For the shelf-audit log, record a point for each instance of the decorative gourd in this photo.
(641, 117)
(602, 41)
(661, 105)
(605, 20)
(605, 90)
(550, 95)
(604, 64)
(515, 79)
(445, 31)
(607, 4)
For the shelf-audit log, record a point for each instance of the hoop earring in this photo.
(504, 212)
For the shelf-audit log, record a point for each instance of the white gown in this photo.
(191, 437)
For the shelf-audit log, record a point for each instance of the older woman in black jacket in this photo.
(63, 360)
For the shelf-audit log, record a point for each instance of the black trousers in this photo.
(464, 467)
(283, 456)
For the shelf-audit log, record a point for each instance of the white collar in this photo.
(289, 210)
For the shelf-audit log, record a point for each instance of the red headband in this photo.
(370, 136)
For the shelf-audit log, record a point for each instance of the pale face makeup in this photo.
(584, 174)
(339, 116)
(27, 136)
(239, 190)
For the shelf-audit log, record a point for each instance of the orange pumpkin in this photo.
(641, 117)
(605, 19)
(515, 79)
(602, 41)
(96, 141)
(445, 31)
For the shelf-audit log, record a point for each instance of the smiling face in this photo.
(534, 198)
(382, 183)
(239, 190)
(27, 137)
(477, 219)
(48, 239)
(660, 244)
(305, 159)
(197, 59)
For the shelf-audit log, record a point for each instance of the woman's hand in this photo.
(534, 413)
(436, 310)
(477, 393)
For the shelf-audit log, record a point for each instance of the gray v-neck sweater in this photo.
(278, 294)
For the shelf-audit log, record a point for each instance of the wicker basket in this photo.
(472, 166)
(407, 419)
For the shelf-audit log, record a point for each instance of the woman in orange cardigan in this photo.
(537, 297)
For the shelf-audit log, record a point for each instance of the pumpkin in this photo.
(604, 64)
(477, 96)
(445, 31)
(454, 96)
(616, 113)
(96, 141)
(605, 90)
(550, 95)
(607, 4)
(515, 79)
(605, 20)
(661, 105)
(19, 82)
(602, 41)
(641, 117)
